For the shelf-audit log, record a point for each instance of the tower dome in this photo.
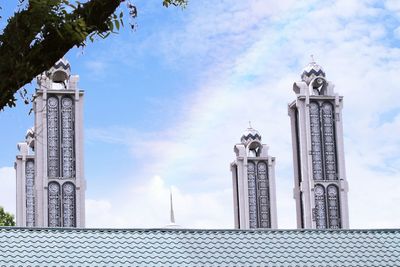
(250, 134)
(60, 72)
(311, 71)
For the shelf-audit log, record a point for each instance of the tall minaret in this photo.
(253, 176)
(320, 188)
(50, 181)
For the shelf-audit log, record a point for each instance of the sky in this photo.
(166, 103)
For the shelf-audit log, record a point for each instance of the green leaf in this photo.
(116, 24)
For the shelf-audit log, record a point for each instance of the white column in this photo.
(272, 192)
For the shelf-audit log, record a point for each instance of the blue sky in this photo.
(165, 104)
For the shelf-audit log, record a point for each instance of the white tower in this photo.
(320, 188)
(50, 182)
(253, 176)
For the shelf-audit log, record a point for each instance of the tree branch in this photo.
(24, 54)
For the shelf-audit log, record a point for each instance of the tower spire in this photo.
(172, 215)
(172, 223)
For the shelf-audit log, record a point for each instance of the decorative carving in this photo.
(333, 207)
(30, 193)
(324, 164)
(69, 204)
(316, 152)
(251, 177)
(67, 138)
(53, 149)
(263, 200)
(54, 205)
(320, 207)
(259, 200)
(61, 161)
(329, 141)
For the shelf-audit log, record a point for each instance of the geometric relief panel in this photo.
(53, 135)
(67, 137)
(69, 204)
(30, 193)
(333, 207)
(54, 204)
(320, 206)
(263, 199)
(252, 188)
(329, 141)
(316, 146)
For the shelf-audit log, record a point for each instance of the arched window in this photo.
(263, 199)
(54, 205)
(53, 133)
(254, 149)
(60, 137)
(316, 149)
(67, 137)
(30, 193)
(259, 197)
(320, 206)
(329, 141)
(333, 207)
(251, 179)
(69, 204)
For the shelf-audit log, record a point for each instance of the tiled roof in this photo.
(181, 247)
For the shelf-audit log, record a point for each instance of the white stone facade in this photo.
(52, 193)
(321, 187)
(253, 177)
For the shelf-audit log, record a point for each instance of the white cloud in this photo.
(7, 189)
(256, 83)
(95, 68)
(251, 53)
(147, 205)
(397, 32)
(393, 5)
(99, 213)
(255, 59)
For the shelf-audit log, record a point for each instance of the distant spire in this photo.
(312, 58)
(172, 216)
(250, 124)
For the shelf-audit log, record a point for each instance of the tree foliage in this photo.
(43, 31)
(6, 219)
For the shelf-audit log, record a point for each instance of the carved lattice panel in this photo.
(333, 207)
(329, 141)
(54, 204)
(320, 207)
(69, 205)
(251, 177)
(53, 144)
(30, 192)
(316, 149)
(263, 196)
(67, 138)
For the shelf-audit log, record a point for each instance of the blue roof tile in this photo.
(184, 247)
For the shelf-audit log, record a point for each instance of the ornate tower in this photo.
(253, 177)
(50, 181)
(320, 188)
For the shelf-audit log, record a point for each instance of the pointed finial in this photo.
(250, 124)
(172, 215)
(312, 58)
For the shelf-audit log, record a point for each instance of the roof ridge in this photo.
(192, 229)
